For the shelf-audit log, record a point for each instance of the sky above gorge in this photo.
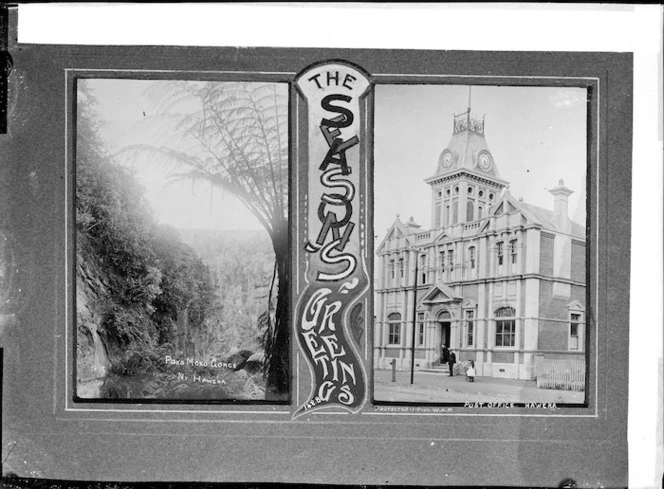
(537, 136)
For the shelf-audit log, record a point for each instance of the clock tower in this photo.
(466, 183)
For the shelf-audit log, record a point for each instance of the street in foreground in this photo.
(435, 387)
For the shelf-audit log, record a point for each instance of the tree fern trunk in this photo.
(278, 351)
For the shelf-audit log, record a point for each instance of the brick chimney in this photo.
(560, 194)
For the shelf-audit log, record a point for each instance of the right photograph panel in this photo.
(480, 244)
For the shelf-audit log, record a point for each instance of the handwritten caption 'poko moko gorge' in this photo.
(192, 362)
(197, 377)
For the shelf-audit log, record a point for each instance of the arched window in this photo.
(471, 258)
(470, 327)
(505, 312)
(444, 315)
(436, 221)
(505, 326)
(394, 334)
(470, 207)
(423, 269)
(480, 212)
(455, 212)
(420, 329)
(501, 251)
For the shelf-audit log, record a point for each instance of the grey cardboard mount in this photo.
(61, 439)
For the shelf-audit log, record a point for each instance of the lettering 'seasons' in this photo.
(336, 224)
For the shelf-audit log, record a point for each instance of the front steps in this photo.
(443, 369)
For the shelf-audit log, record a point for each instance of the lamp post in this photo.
(412, 353)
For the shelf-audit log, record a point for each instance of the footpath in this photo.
(439, 387)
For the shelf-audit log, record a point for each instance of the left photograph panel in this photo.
(181, 223)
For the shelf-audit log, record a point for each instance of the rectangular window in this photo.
(420, 329)
(500, 254)
(505, 332)
(513, 249)
(401, 267)
(574, 329)
(392, 269)
(423, 269)
(441, 264)
(472, 257)
(470, 328)
(394, 337)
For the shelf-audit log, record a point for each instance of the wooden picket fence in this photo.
(561, 373)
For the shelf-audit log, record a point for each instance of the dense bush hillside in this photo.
(144, 295)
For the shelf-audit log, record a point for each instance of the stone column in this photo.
(490, 328)
(430, 340)
(492, 255)
(463, 199)
(480, 321)
(521, 247)
(403, 353)
(531, 325)
(532, 250)
(518, 326)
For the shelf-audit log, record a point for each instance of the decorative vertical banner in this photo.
(332, 125)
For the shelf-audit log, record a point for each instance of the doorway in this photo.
(444, 336)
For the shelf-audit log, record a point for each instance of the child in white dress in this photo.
(470, 373)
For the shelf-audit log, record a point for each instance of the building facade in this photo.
(497, 280)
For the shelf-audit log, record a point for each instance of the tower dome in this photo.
(468, 149)
(467, 182)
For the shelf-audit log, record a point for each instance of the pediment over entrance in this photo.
(439, 294)
(443, 236)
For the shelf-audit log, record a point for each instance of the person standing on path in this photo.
(451, 363)
(445, 357)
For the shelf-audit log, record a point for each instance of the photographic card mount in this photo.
(416, 442)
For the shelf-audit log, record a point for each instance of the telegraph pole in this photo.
(412, 353)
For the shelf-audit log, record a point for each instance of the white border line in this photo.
(377, 81)
(283, 409)
(213, 72)
(505, 77)
(377, 78)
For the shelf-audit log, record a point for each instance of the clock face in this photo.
(484, 162)
(447, 160)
